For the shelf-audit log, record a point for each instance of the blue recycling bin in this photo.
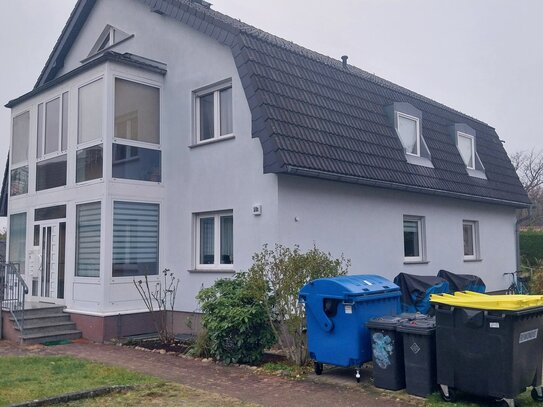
(337, 310)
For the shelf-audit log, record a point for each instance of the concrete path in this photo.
(239, 382)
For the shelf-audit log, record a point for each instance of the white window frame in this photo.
(216, 91)
(40, 149)
(472, 141)
(475, 238)
(422, 239)
(216, 241)
(417, 121)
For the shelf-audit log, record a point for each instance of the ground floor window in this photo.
(413, 238)
(214, 240)
(135, 239)
(87, 247)
(471, 239)
(17, 240)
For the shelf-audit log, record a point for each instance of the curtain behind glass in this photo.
(465, 146)
(17, 240)
(207, 240)
(226, 112)
(227, 239)
(408, 134)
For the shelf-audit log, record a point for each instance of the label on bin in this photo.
(348, 309)
(494, 324)
(528, 336)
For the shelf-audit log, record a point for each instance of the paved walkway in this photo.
(239, 382)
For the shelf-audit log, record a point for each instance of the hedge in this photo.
(531, 246)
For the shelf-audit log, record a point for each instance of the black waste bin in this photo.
(419, 347)
(387, 352)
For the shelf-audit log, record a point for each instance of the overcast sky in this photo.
(482, 57)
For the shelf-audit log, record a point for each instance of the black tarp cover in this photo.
(416, 291)
(462, 282)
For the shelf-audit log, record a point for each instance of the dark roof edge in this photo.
(110, 56)
(69, 33)
(408, 188)
(4, 193)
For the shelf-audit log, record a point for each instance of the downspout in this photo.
(517, 234)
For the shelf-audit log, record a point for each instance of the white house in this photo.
(163, 134)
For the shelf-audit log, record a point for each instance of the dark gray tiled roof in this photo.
(316, 118)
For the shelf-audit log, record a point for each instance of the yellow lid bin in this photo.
(469, 299)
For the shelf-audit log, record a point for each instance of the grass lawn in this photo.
(26, 378)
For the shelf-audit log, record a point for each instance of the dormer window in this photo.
(466, 146)
(109, 37)
(407, 122)
(409, 133)
(465, 139)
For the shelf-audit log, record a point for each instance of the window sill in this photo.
(419, 160)
(207, 271)
(416, 262)
(472, 260)
(213, 141)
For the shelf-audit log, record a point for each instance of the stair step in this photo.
(48, 327)
(31, 312)
(67, 334)
(38, 319)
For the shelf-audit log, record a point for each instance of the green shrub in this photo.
(531, 246)
(279, 275)
(235, 320)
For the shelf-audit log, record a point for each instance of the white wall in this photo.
(366, 225)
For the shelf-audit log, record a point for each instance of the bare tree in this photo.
(529, 167)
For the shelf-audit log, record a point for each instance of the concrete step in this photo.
(48, 309)
(48, 328)
(59, 335)
(30, 321)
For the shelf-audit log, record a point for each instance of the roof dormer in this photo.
(465, 139)
(407, 121)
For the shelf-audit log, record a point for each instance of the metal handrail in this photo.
(13, 291)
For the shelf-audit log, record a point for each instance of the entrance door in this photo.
(48, 284)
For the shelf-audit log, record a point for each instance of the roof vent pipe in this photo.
(344, 58)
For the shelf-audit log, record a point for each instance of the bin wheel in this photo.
(536, 396)
(318, 368)
(504, 403)
(451, 398)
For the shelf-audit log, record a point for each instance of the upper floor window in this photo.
(409, 132)
(466, 146)
(414, 239)
(136, 149)
(465, 139)
(19, 154)
(407, 121)
(52, 142)
(213, 112)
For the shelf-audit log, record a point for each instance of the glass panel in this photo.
(20, 137)
(64, 141)
(227, 239)
(90, 112)
(468, 240)
(36, 235)
(137, 111)
(407, 129)
(207, 240)
(61, 259)
(137, 163)
(87, 246)
(104, 43)
(465, 146)
(51, 212)
(17, 240)
(135, 239)
(411, 238)
(51, 173)
(52, 125)
(226, 111)
(207, 113)
(89, 164)
(39, 143)
(19, 181)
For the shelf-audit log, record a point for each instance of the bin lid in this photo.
(419, 326)
(387, 322)
(347, 287)
(410, 316)
(468, 299)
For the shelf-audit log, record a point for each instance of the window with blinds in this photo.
(87, 257)
(135, 239)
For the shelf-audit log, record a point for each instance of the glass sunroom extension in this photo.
(86, 143)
